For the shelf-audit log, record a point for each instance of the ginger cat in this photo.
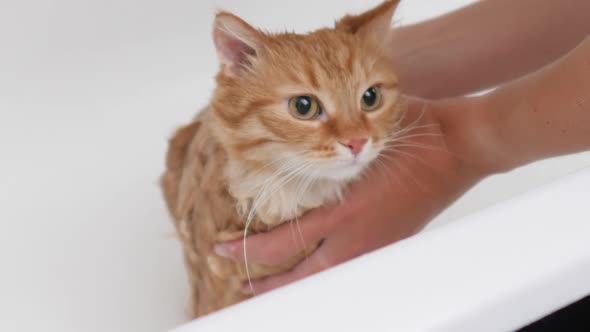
(293, 120)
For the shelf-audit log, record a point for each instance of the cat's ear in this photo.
(236, 42)
(375, 22)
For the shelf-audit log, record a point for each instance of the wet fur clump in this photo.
(256, 157)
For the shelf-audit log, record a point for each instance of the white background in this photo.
(89, 93)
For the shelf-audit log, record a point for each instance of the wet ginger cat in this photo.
(293, 120)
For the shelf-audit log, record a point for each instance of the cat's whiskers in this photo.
(293, 236)
(301, 189)
(271, 187)
(294, 165)
(415, 135)
(407, 139)
(409, 130)
(295, 155)
(414, 124)
(408, 171)
(286, 168)
(418, 145)
(407, 154)
(381, 168)
(296, 219)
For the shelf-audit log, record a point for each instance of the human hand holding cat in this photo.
(457, 142)
(411, 184)
(277, 122)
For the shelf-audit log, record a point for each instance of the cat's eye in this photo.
(371, 99)
(304, 107)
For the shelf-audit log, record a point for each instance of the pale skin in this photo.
(545, 112)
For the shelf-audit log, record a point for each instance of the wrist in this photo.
(471, 135)
(493, 127)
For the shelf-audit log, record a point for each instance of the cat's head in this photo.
(323, 104)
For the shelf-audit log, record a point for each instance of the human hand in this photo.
(423, 172)
(448, 147)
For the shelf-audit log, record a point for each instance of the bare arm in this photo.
(486, 44)
(544, 114)
(456, 143)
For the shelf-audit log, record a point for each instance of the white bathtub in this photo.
(496, 270)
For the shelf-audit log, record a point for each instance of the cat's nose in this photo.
(354, 145)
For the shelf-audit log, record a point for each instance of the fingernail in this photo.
(222, 250)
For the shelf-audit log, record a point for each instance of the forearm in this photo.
(485, 44)
(542, 115)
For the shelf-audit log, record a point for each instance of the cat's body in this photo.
(197, 193)
(245, 162)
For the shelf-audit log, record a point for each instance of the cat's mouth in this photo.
(345, 169)
(347, 166)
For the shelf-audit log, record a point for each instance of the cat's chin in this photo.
(342, 173)
(348, 169)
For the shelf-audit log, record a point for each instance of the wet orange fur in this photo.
(216, 164)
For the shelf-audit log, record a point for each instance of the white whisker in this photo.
(269, 189)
